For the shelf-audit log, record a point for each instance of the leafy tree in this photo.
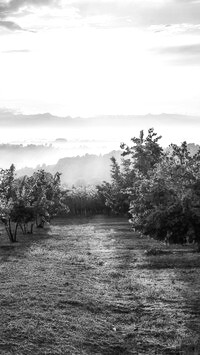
(7, 201)
(115, 171)
(137, 162)
(115, 194)
(145, 153)
(161, 189)
(29, 199)
(166, 203)
(45, 196)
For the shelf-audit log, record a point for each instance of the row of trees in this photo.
(34, 200)
(84, 201)
(29, 200)
(160, 190)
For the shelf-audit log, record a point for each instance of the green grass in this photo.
(89, 286)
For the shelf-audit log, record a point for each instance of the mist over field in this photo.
(79, 147)
(21, 128)
(32, 140)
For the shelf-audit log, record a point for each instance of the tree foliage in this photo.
(165, 198)
(84, 201)
(28, 200)
(161, 189)
(115, 194)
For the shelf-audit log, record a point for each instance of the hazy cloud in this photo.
(106, 13)
(176, 28)
(15, 5)
(113, 12)
(17, 51)
(143, 13)
(11, 9)
(188, 50)
(10, 25)
(187, 1)
(191, 49)
(182, 54)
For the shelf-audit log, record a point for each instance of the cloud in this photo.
(10, 25)
(12, 6)
(12, 9)
(143, 13)
(17, 51)
(188, 54)
(176, 28)
(187, 1)
(108, 13)
(189, 50)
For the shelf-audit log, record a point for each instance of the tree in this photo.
(7, 201)
(161, 188)
(136, 164)
(145, 153)
(45, 196)
(114, 193)
(28, 200)
(166, 202)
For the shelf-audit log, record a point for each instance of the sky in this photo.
(95, 57)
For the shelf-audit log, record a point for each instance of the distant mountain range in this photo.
(9, 118)
(45, 128)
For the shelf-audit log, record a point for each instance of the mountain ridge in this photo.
(9, 118)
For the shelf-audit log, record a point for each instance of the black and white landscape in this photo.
(99, 177)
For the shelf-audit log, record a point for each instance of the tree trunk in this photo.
(23, 228)
(40, 222)
(12, 236)
(25, 231)
(15, 232)
(31, 229)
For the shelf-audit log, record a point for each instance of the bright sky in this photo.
(89, 57)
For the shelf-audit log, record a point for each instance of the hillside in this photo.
(89, 169)
(80, 170)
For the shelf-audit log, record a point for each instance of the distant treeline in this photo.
(85, 201)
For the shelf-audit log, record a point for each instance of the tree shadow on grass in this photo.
(9, 250)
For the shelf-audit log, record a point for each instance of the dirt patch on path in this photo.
(89, 287)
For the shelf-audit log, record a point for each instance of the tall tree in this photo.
(167, 202)
(145, 153)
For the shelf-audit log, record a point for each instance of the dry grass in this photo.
(89, 287)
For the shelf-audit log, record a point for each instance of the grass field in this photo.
(88, 286)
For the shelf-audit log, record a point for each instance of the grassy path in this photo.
(88, 287)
